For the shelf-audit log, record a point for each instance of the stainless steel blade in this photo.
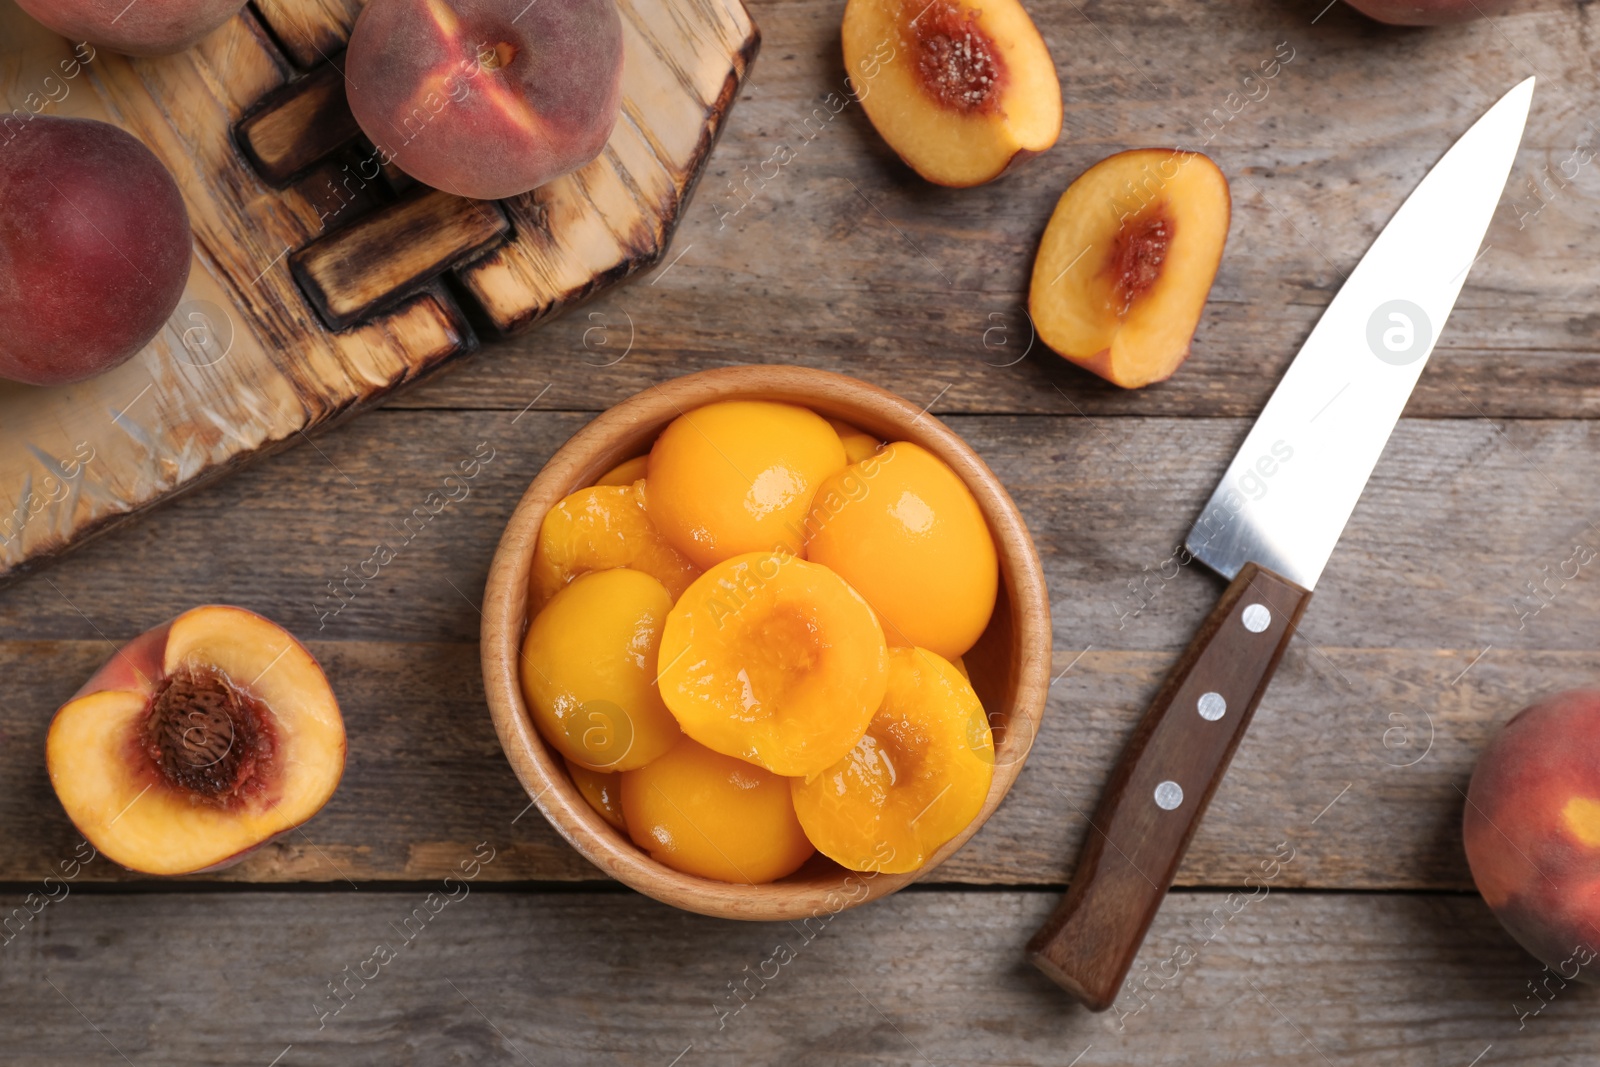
(1293, 483)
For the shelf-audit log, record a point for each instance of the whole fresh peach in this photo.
(1428, 12)
(1532, 830)
(94, 249)
(486, 98)
(142, 28)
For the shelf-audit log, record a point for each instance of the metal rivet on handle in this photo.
(1212, 707)
(1256, 618)
(1169, 795)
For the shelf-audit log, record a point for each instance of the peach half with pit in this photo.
(960, 89)
(1127, 261)
(196, 742)
(486, 98)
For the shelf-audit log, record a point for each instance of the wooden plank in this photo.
(384, 257)
(470, 976)
(1413, 636)
(310, 30)
(614, 218)
(306, 121)
(924, 287)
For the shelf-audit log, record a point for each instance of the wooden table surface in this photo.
(1442, 612)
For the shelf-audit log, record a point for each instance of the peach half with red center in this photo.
(1532, 830)
(486, 98)
(196, 742)
(1127, 261)
(960, 89)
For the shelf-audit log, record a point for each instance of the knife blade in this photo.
(1270, 526)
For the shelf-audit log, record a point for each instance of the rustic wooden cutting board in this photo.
(314, 292)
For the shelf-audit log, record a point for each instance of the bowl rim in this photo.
(625, 430)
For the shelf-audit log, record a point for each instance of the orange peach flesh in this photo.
(280, 760)
(960, 89)
(1127, 261)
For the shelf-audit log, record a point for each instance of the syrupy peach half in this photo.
(1127, 261)
(196, 742)
(916, 779)
(960, 89)
(773, 660)
(596, 529)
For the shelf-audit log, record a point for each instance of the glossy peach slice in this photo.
(589, 666)
(596, 529)
(915, 780)
(737, 476)
(715, 816)
(960, 89)
(1127, 261)
(198, 741)
(773, 660)
(858, 444)
(625, 473)
(907, 534)
(603, 792)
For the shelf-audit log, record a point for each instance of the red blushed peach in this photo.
(486, 98)
(94, 249)
(1429, 12)
(1532, 830)
(142, 28)
(197, 741)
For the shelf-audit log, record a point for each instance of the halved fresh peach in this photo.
(917, 778)
(598, 528)
(197, 742)
(1127, 261)
(960, 89)
(773, 660)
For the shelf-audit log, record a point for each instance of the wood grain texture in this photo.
(1162, 784)
(841, 258)
(313, 120)
(311, 31)
(242, 368)
(1387, 689)
(382, 258)
(1266, 978)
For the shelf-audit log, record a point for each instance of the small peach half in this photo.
(1127, 261)
(196, 742)
(960, 89)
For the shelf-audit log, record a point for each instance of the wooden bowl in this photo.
(1009, 665)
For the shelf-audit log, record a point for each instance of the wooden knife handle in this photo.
(1159, 791)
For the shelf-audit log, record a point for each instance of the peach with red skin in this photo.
(94, 249)
(145, 28)
(1531, 827)
(1429, 12)
(197, 742)
(486, 98)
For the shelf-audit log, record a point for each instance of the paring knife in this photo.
(1270, 526)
